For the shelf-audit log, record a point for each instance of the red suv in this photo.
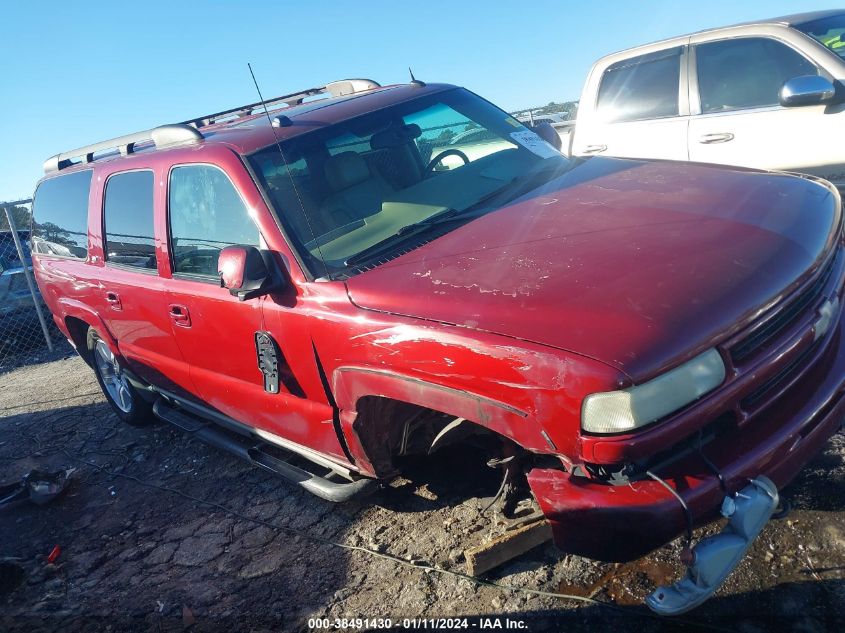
(341, 279)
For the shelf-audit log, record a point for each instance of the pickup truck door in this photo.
(216, 331)
(735, 85)
(639, 108)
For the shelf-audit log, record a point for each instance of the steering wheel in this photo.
(447, 152)
(197, 261)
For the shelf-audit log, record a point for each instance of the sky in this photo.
(75, 73)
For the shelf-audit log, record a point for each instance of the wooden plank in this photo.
(506, 547)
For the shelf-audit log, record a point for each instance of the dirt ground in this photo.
(160, 532)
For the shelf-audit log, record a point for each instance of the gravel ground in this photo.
(160, 532)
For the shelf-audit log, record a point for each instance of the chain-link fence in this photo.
(25, 322)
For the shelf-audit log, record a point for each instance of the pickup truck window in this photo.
(745, 73)
(60, 216)
(828, 31)
(128, 236)
(644, 87)
(206, 214)
(358, 190)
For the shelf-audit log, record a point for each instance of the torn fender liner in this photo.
(717, 556)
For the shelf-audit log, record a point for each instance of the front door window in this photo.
(206, 215)
(745, 73)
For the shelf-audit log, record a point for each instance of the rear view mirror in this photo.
(546, 132)
(807, 90)
(395, 136)
(247, 272)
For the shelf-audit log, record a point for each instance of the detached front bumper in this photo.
(623, 522)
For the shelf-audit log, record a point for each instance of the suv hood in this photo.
(637, 264)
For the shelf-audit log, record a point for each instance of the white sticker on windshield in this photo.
(533, 143)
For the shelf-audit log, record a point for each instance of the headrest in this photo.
(395, 135)
(345, 170)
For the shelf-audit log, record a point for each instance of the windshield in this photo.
(828, 31)
(368, 184)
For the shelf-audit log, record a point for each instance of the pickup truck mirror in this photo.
(248, 272)
(806, 90)
(546, 132)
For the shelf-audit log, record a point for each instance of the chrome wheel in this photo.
(114, 380)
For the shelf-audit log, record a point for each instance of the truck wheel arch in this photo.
(77, 318)
(371, 403)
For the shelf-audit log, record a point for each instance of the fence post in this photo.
(28, 276)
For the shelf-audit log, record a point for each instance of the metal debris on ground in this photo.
(37, 486)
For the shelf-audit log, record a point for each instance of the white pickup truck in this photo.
(766, 94)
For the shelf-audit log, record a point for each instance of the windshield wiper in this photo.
(432, 220)
(451, 215)
(411, 230)
(405, 233)
(448, 216)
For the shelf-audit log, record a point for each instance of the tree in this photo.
(567, 108)
(21, 216)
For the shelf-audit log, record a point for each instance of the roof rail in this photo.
(161, 136)
(188, 131)
(339, 88)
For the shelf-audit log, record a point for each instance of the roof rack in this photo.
(161, 136)
(335, 89)
(188, 131)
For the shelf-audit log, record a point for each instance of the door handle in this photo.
(113, 299)
(595, 149)
(179, 315)
(722, 137)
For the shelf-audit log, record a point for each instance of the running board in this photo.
(255, 453)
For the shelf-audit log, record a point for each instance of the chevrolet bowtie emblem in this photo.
(827, 313)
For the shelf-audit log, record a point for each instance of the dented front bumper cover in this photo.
(623, 522)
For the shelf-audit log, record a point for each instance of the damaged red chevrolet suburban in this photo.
(361, 273)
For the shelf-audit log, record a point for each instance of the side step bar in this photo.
(255, 453)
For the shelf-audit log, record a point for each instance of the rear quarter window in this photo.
(60, 216)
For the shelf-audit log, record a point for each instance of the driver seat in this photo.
(357, 192)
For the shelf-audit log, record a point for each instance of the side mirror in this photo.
(806, 90)
(546, 132)
(247, 272)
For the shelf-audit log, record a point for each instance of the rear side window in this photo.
(128, 220)
(60, 216)
(746, 73)
(206, 215)
(644, 87)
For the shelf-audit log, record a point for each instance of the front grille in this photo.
(782, 377)
(761, 337)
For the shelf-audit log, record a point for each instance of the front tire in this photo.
(124, 399)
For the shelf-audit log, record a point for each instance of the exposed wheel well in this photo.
(388, 429)
(78, 330)
(399, 439)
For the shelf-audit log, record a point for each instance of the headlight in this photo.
(628, 409)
